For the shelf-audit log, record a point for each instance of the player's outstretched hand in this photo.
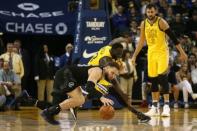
(106, 101)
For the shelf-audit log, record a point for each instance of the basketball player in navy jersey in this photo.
(69, 81)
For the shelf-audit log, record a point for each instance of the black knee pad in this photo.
(163, 81)
(69, 83)
(154, 82)
(58, 98)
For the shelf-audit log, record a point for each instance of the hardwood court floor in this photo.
(28, 119)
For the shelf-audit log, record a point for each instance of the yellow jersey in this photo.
(94, 61)
(104, 51)
(155, 37)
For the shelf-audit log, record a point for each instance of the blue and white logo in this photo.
(71, 84)
(61, 28)
(95, 40)
(28, 6)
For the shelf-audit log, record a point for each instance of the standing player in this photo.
(154, 30)
(68, 81)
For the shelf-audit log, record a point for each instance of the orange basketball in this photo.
(107, 112)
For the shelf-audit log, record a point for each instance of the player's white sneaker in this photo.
(166, 121)
(166, 111)
(154, 121)
(154, 111)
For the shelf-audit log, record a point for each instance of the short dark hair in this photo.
(117, 45)
(151, 5)
(113, 64)
(105, 60)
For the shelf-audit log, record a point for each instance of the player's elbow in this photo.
(140, 43)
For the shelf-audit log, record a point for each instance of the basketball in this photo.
(107, 112)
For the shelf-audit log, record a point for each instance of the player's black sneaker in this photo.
(49, 117)
(143, 118)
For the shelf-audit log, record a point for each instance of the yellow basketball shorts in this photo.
(157, 63)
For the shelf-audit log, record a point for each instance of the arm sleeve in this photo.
(93, 93)
(172, 36)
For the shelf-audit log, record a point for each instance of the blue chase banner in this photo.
(37, 17)
(92, 31)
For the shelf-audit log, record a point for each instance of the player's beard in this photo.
(151, 18)
(106, 77)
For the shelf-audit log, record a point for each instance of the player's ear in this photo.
(145, 15)
(106, 67)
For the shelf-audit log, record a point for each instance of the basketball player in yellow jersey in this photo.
(153, 31)
(113, 51)
(107, 54)
(103, 52)
(110, 51)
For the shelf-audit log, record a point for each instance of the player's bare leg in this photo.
(76, 99)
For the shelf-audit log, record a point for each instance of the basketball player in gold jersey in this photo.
(113, 50)
(107, 54)
(153, 31)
